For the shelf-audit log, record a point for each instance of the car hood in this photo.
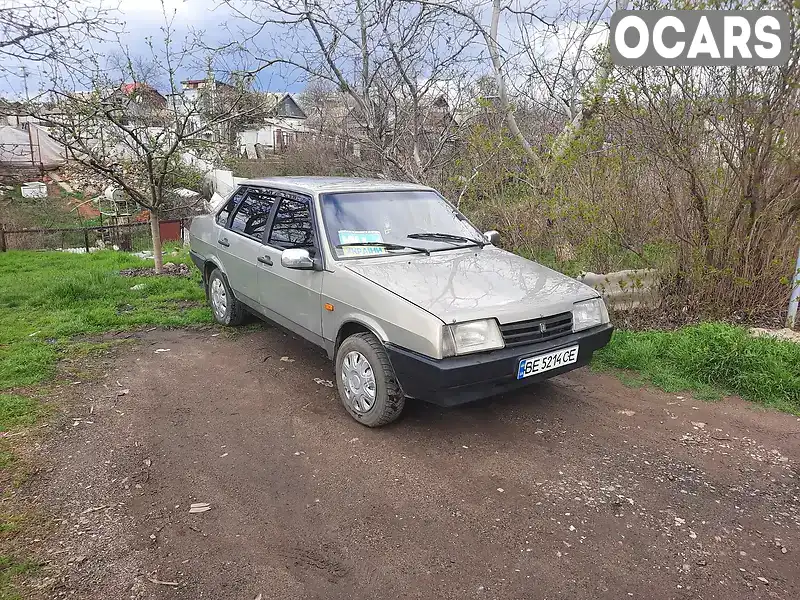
(462, 285)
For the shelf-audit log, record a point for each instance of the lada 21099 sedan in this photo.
(407, 297)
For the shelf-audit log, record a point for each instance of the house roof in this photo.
(273, 99)
(129, 88)
(145, 90)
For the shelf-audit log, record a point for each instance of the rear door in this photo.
(292, 293)
(243, 243)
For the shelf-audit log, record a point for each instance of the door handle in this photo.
(265, 260)
(224, 242)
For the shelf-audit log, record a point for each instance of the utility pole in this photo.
(794, 300)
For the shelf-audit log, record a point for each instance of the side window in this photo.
(253, 213)
(292, 227)
(230, 205)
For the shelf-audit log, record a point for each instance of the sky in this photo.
(144, 19)
(212, 17)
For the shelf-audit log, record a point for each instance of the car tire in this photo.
(225, 308)
(366, 381)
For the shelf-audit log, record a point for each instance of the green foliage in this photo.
(18, 212)
(184, 176)
(712, 359)
(9, 524)
(47, 298)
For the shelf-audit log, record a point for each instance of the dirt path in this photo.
(578, 488)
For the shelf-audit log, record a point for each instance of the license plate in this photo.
(545, 362)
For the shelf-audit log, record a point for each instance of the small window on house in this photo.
(253, 213)
(292, 227)
(230, 206)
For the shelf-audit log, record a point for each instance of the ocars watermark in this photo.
(700, 37)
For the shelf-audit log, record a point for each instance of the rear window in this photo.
(230, 206)
(253, 213)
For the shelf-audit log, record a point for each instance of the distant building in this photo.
(279, 123)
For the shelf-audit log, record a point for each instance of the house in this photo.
(193, 89)
(279, 122)
(141, 101)
(142, 94)
(201, 100)
(338, 118)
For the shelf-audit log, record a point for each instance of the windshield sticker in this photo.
(361, 237)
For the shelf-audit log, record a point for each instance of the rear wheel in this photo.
(366, 381)
(227, 310)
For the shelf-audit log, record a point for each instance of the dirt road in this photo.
(577, 488)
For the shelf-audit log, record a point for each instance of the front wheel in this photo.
(367, 384)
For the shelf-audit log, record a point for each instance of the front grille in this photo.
(530, 332)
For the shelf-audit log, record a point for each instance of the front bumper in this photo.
(462, 379)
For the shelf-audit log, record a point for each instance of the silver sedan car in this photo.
(406, 296)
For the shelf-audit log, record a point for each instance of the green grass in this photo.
(49, 298)
(10, 568)
(9, 524)
(53, 211)
(712, 360)
(17, 411)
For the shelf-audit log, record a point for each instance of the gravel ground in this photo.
(576, 488)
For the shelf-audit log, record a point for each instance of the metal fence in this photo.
(130, 237)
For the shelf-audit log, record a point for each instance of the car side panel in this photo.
(356, 299)
(292, 293)
(202, 240)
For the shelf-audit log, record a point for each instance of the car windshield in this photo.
(396, 221)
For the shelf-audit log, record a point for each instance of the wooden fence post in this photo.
(2, 237)
(86, 239)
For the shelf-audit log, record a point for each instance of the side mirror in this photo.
(492, 236)
(296, 258)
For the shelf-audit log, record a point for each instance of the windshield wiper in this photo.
(445, 237)
(384, 245)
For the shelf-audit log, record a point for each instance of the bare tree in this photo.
(119, 125)
(588, 78)
(399, 70)
(541, 55)
(50, 30)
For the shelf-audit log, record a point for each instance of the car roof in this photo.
(321, 185)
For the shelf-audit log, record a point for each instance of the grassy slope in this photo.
(46, 298)
(711, 359)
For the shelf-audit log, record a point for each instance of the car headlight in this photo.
(589, 313)
(473, 336)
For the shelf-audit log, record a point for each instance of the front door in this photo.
(293, 294)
